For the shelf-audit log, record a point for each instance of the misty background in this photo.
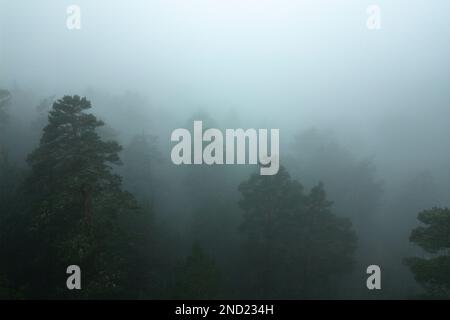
(365, 112)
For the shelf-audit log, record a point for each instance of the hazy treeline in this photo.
(89, 181)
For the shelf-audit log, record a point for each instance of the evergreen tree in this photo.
(433, 273)
(294, 241)
(74, 212)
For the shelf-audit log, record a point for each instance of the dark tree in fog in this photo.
(353, 186)
(295, 241)
(351, 182)
(433, 272)
(74, 212)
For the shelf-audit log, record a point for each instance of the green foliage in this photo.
(294, 240)
(433, 273)
(73, 212)
(293, 243)
(435, 235)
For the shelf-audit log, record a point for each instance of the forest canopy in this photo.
(82, 199)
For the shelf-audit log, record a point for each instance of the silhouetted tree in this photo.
(74, 212)
(294, 240)
(433, 272)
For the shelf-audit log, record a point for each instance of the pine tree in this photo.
(433, 273)
(293, 240)
(74, 210)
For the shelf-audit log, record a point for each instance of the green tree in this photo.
(356, 191)
(73, 212)
(294, 242)
(432, 273)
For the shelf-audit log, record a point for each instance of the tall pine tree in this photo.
(294, 242)
(74, 212)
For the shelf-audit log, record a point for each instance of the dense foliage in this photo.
(141, 228)
(434, 237)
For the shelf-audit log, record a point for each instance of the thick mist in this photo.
(365, 112)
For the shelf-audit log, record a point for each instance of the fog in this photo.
(365, 112)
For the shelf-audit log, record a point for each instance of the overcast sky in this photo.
(282, 62)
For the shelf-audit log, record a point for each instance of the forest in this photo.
(141, 227)
(358, 119)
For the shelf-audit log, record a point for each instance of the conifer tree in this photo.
(75, 212)
(293, 239)
(433, 272)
